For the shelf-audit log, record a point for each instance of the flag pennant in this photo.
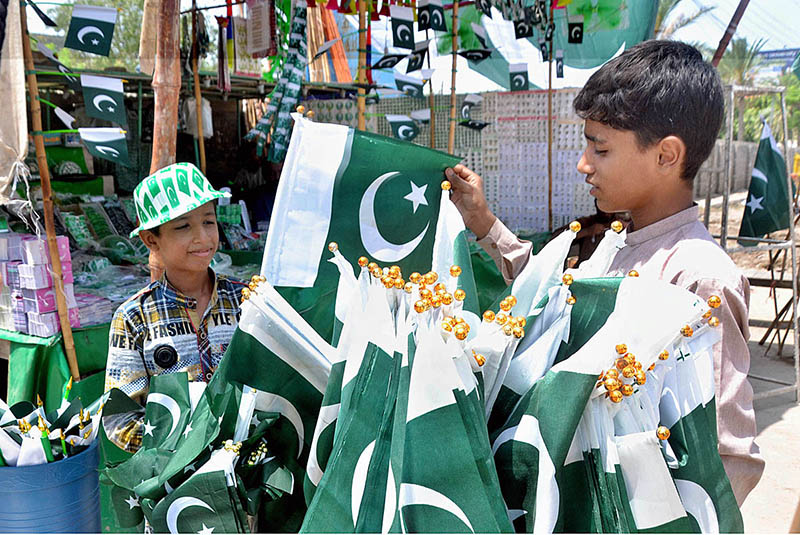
(167, 411)
(91, 29)
(409, 85)
(388, 61)
(324, 47)
(575, 29)
(523, 29)
(559, 63)
(476, 55)
(422, 116)
(417, 58)
(423, 15)
(72, 79)
(544, 49)
(402, 27)
(466, 105)
(66, 118)
(480, 34)
(42, 16)
(474, 124)
(518, 76)
(485, 7)
(106, 143)
(403, 127)
(767, 206)
(104, 98)
(436, 10)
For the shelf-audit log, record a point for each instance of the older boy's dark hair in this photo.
(657, 89)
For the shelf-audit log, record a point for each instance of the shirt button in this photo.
(203, 335)
(494, 246)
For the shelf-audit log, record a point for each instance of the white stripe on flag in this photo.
(757, 173)
(401, 13)
(303, 204)
(103, 14)
(102, 82)
(101, 135)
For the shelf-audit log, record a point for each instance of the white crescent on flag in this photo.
(86, 30)
(411, 494)
(102, 99)
(168, 403)
(178, 506)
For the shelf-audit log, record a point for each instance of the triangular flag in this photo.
(106, 143)
(91, 29)
(421, 116)
(476, 55)
(72, 79)
(410, 85)
(388, 61)
(403, 127)
(417, 58)
(324, 47)
(103, 98)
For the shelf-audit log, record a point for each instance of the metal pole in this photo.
(451, 139)
(723, 235)
(794, 252)
(47, 194)
(362, 64)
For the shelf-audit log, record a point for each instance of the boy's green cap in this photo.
(171, 192)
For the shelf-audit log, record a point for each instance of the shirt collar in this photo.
(664, 226)
(170, 292)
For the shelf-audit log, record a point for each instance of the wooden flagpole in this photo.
(47, 198)
(451, 140)
(362, 64)
(197, 96)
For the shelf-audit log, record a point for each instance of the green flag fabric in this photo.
(408, 84)
(403, 127)
(518, 76)
(767, 206)
(402, 27)
(106, 143)
(167, 411)
(104, 98)
(91, 29)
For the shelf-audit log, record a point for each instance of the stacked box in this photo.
(20, 319)
(44, 299)
(48, 324)
(11, 246)
(35, 277)
(37, 251)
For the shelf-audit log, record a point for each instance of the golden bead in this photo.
(455, 271)
(713, 321)
(511, 299)
(687, 331)
(664, 355)
(615, 396)
(431, 277)
(440, 287)
(399, 283)
(458, 321)
(394, 273)
(446, 326)
(508, 329)
(616, 226)
(245, 293)
(652, 367)
(611, 383)
(261, 278)
(300, 109)
(446, 185)
(310, 114)
(488, 316)
(621, 364)
(626, 390)
(662, 432)
(419, 306)
(640, 377)
(501, 318)
(363, 261)
(425, 293)
(571, 300)
(521, 321)
(436, 301)
(613, 373)
(707, 314)
(408, 288)
(567, 279)
(252, 286)
(575, 227)
(459, 295)
(447, 299)
(377, 272)
(333, 246)
(505, 305)
(371, 266)
(480, 359)
(714, 301)
(637, 365)
(621, 349)
(388, 282)
(415, 277)
(461, 332)
(518, 332)
(633, 273)
(628, 372)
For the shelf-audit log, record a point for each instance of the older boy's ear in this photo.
(149, 239)
(671, 152)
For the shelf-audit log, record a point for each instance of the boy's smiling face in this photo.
(188, 242)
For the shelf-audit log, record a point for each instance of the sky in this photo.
(773, 20)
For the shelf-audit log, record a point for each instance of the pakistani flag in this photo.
(423, 15)
(417, 58)
(167, 411)
(767, 206)
(402, 27)
(430, 15)
(91, 29)
(518, 76)
(106, 143)
(104, 98)
(403, 127)
(375, 196)
(523, 29)
(71, 77)
(410, 85)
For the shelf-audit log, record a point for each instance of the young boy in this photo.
(651, 119)
(183, 321)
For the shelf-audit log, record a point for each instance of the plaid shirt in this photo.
(153, 333)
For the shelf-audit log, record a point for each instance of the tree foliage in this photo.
(668, 22)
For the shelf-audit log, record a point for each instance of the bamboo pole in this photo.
(166, 86)
(47, 198)
(362, 64)
(197, 96)
(729, 31)
(451, 140)
(550, 132)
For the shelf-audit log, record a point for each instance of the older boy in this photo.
(651, 119)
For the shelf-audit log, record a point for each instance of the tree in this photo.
(666, 24)
(738, 67)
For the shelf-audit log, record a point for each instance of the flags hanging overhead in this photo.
(402, 27)
(106, 143)
(103, 98)
(91, 29)
(408, 84)
(72, 78)
(403, 127)
(767, 206)
(518, 76)
(388, 61)
(417, 58)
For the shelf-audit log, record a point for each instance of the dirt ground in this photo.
(772, 504)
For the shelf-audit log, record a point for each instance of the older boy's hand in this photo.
(467, 194)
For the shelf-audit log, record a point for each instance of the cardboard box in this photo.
(48, 324)
(11, 246)
(10, 274)
(44, 300)
(36, 251)
(35, 277)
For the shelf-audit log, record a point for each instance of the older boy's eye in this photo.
(596, 151)
(182, 227)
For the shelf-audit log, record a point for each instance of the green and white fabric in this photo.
(91, 29)
(104, 98)
(171, 192)
(106, 143)
(518, 76)
(403, 127)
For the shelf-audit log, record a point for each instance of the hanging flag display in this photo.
(104, 98)
(767, 206)
(466, 106)
(324, 47)
(72, 79)
(559, 63)
(436, 10)
(42, 16)
(575, 29)
(485, 7)
(423, 15)
(91, 29)
(106, 143)
(417, 58)
(402, 27)
(518, 76)
(403, 127)
(422, 116)
(388, 61)
(523, 29)
(408, 84)
(473, 124)
(480, 34)
(476, 55)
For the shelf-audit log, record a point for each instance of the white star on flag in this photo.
(187, 430)
(189, 468)
(132, 502)
(206, 530)
(755, 203)
(417, 196)
(95, 42)
(148, 429)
